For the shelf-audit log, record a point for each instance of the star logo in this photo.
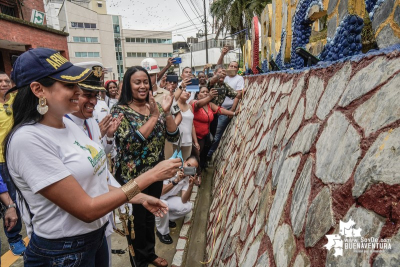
(346, 230)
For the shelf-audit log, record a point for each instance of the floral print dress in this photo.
(135, 154)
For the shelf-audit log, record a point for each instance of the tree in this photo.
(232, 16)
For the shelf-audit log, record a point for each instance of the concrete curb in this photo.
(181, 247)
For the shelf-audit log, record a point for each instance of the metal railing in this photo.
(213, 43)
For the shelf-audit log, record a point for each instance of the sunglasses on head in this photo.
(6, 108)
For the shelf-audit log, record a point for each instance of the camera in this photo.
(189, 171)
(175, 109)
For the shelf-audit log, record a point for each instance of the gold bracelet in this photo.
(130, 189)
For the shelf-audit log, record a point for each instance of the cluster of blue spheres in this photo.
(369, 5)
(278, 59)
(347, 40)
(301, 28)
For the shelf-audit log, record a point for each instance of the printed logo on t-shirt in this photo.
(95, 158)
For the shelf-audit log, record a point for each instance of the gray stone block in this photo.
(285, 179)
(284, 246)
(304, 139)
(332, 5)
(338, 149)
(381, 109)
(301, 261)
(313, 94)
(386, 37)
(252, 253)
(382, 13)
(300, 197)
(296, 121)
(390, 257)
(332, 25)
(263, 260)
(333, 91)
(280, 133)
(278, 164)
(294, 97)
(363, 82)
(319, 218)
(263, 207)
(397, 15)
(380, 164)
(343, 9)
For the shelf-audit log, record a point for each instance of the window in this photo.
(82, 25)
(99, 4)
(136, 54)
(87, 54)
(9, 9)
(86, 39)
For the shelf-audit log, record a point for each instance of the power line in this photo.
(191, 4)
(184, 11)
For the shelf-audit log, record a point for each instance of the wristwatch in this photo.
(13, 205)
(174, 183)
(180, 87)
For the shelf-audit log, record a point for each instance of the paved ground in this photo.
(118, 242)
(197, 241)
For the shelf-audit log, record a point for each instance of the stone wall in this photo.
(310, 149)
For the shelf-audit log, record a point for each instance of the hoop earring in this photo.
(42, 108)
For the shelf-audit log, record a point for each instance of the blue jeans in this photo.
(84, 250)
(13, 235)
(223, 122)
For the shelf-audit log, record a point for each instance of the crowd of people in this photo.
(75, 148)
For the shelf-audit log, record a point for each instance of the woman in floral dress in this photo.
(140, 141)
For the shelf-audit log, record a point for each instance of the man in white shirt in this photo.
(178, 206)
(236, 82)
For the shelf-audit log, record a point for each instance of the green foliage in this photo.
(235, 15)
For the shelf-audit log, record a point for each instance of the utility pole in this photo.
(205, 32)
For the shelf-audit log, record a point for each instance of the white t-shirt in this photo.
(182, 185)
(40, 156)
(101, 110)
(237, 83)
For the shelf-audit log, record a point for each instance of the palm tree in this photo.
(236, 15)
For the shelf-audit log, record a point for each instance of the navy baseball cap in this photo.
(39, 63)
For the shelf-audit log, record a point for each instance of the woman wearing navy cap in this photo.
(59, 172)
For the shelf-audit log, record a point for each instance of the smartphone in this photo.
(221, 91)
(177, 60)
(189, 171)
(109, 69)
(194, 86)
(230, 47)
(172, 78)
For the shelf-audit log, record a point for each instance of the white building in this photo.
(92, 36)
(195, 56)
(138, 45)
(96, 36)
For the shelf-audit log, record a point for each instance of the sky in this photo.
(161, 15)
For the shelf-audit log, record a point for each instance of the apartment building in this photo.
(92, 37)
(139, 45)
